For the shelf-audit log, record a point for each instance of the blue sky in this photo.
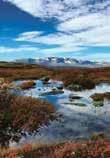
(63, 28)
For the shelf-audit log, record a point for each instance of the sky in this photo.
(62, 28)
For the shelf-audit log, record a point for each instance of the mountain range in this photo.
(60, 61)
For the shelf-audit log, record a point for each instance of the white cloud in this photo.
(58, 38)
(102, 57)
(29, 35)
(33, 7)
(15, 50)
(80, 23)
(84, 22)
(66, 43)
(60, 50)
(58, 8)
(39, 8)
(97, 35)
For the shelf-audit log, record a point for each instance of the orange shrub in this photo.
(18, 114)
(85, 149)
(27, 85)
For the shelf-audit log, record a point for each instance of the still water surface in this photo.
(76, 122)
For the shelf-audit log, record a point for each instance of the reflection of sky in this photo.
(77, 122)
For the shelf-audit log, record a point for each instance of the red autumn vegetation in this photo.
(86, 77)
(88, 149)
(22, 71)
(27, 85)
(18, 114)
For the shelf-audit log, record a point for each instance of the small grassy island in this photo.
(98, 98)
(101, 96)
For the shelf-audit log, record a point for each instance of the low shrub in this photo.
(81, 84)
(91, 149)
(88, 149)
(18, 114)
(86, 83)
(27, 85)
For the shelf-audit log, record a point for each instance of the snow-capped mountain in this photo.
(59, 61)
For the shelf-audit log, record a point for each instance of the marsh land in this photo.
(43, 110)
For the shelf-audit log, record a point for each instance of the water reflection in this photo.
(76, 122)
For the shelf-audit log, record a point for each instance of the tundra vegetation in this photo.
(79, 78)
(98, 98)
(101, 96)
(19, 113)
(27, 85)
(97, 148)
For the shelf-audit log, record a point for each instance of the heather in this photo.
(85, 78)
(27, 85)
(85, 149)
(19, 114)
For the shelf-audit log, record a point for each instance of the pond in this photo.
(76, 121)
